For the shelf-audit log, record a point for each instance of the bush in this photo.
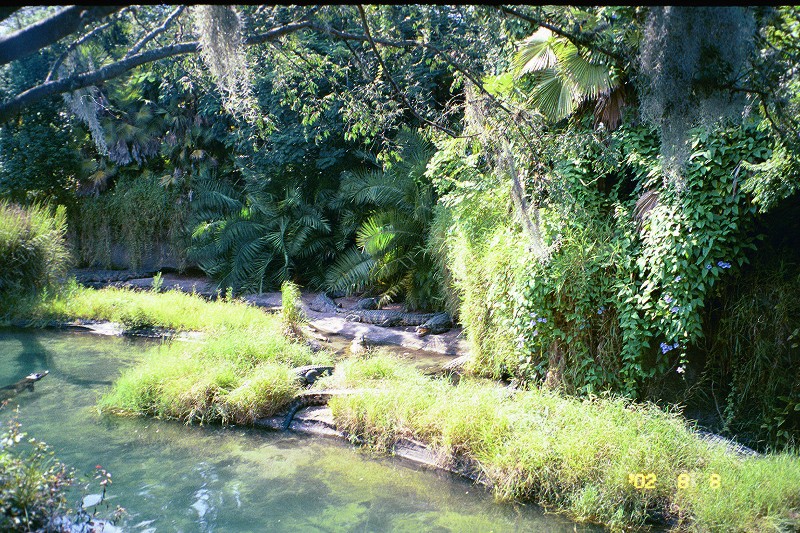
(33, 251)
(32, 482)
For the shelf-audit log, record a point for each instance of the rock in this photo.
(358, 346)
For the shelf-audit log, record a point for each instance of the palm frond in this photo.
(350, 272)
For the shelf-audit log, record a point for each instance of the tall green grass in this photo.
(236, 377)
(574, 455)
(173, 309)
(33, 252)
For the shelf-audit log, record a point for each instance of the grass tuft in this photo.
(575, 455)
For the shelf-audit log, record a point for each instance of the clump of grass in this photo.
(576, 455)
(172, 309)
(291, 310)
(235, 377)
(33, 251)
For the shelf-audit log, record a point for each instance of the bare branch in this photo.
(13, 106)
(150, 36)
(396, 87)
(28, 40)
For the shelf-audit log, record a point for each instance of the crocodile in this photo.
(367, 304)
(386, 318)
(8, 392)
(310, 373)
(730, 445)
(439, 323)
(309, 398)
(323, 303)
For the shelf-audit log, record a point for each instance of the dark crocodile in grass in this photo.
(309, 398)
(387, 318)
(438, 323)
(310, 373)
(9, 391)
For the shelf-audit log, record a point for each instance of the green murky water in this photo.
(170, 477)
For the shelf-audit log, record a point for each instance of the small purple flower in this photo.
(675, 309)
(602, 308)
(676, 345)
(665, 347)
(535, 332)
(708, 267)
(723, 264)
(668, 299)
(520, 342)
(677, 279)
(541, 319)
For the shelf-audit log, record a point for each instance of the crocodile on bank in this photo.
(9, 391)
(323, 303)
(387, 318)
(310, 373)
(438, 323)
(309, 398)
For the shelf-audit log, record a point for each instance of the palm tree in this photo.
(565, 76)
(390, 254)
(256, 240)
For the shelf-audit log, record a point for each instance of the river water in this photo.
(171, 477)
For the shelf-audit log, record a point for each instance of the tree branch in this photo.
(388, 75)
(579, 40)
(147, 38)
(6, 12)
(11, 107)
(76, 43)
(28, 40)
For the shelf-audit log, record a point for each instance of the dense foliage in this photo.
(596, 192)
(33, 251)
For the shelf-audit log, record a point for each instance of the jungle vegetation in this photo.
(605, 197)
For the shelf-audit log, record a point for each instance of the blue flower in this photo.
(677, 279)
(602, 308)
(723, 264)
(676, 345)
(541, 320)
(708, 267)
(665, 347)
(668, 299)
(675, 309)
(535, 332)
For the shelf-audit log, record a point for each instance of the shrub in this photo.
(33, 252)
(32, 482)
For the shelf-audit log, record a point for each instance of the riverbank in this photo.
(602, 460)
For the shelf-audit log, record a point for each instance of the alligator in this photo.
(310, 373)
(309, 398)
(8, 392)
(439, 323)
(386, 318)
